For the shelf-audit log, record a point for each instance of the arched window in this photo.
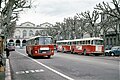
(24, 33)
(17, 34)
(30, 33)
(11, 40)
(17, 42)
(24, 43)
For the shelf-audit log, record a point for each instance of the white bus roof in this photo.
(37, 36)
(83, 39)
(65, 41)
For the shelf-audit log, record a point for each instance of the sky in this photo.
(53, 11)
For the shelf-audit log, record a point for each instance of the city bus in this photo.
(63, 46)
(84, 46)
(11, 46)
(40, 46)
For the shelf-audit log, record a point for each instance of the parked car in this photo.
(115, 51)
(107, 50)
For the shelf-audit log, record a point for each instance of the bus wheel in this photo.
(49, 56)
(57, 50)
(96, 54)
(84, 52)
(29, 55)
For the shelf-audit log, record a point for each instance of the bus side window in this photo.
(35, 42)
(32, 42)
(67, 43)
(88, 42)
(80, 42)
(83, 42)
(92, 42)
(74, 42)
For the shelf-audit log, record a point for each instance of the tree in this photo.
(91, 25)
(114, 14)
(51, 31)
(107, 9)
(61, 30)
(82, 25)
(7, 14)
(73, 28)
(69, 28)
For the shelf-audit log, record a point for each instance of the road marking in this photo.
(29, 71)
(59, 73)
(32, 71)
(39, 70)
(20, 72)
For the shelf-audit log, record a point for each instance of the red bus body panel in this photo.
(66, 48)
(89, 49)
(40, 50)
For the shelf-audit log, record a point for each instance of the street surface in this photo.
(63, 66)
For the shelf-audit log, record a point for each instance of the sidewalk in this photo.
(7, 70)
(2, 75)
(6, 75)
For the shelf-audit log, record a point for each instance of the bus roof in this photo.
(65, 41)
(37, 37)
(83, 39)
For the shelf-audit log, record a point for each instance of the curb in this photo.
(7, 70)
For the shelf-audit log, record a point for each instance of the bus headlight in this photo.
(52, 51)
(36, 51)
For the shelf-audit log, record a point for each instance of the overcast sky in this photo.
(56, 10)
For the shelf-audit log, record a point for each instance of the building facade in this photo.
(27, 30)
(112, 36)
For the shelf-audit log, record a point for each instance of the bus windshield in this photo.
(45, 40)
(97, 42)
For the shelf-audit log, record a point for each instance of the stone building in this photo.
(113, 33)
(27, 30)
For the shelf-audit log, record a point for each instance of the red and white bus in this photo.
(40, 46)
(64, 45)
(84, 46)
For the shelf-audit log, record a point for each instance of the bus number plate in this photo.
(43, 52)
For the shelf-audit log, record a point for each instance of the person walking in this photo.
(1, 63)
(7, 52)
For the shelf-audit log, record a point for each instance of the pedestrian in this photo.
(1, 63)
(7, 52)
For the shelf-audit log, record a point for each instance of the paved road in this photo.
(63, 66)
